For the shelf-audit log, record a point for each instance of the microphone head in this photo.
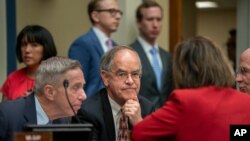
(65, 83)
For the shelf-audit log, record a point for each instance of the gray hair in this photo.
(52, 70)
(107, 59)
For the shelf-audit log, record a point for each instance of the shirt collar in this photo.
(114, 106)
(41, 116)
(145, 45)
(100, 35)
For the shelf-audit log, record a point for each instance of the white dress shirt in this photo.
(102, 38)
(147, 47)
(41, 116)
(116, 111)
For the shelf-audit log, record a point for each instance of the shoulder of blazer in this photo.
(22, 108)
(96, 101)
(90, 42)
(165, 52)
(30, 110)
(88, 37)
(135, 45)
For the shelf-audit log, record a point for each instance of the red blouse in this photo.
(17, 84)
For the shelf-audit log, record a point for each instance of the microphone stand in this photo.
(66, 85)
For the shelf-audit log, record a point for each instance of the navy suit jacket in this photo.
(88, 51)
(15, 114)
(97, 110)
(148, 80)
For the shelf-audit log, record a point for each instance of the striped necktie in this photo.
(156, 67)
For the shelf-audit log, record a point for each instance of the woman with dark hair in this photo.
(34, 44)
(204, 105)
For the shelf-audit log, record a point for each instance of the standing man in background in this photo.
(156, 81)
(88, 48)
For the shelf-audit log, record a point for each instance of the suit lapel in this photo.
(164, 66)
(107, 115)
(94, 40)
(30, 109)
(144, 59)
(114, 43)
(146, 65)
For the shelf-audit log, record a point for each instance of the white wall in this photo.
(188, 19)
(216, 24)
(68, 19)
(127, 31)
(243, 27)
(3, 44)
(163, 39)
(63, 18)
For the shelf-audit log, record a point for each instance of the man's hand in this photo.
(132, 110)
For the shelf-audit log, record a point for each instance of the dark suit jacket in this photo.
(148, 81)
(15, 114)
(97, 110)
(88, 51)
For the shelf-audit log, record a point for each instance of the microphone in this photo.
(66, 85)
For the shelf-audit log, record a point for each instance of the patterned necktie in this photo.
(123, 128)
(109, 44)
(156, 67)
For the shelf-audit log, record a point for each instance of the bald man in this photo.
(243, 73)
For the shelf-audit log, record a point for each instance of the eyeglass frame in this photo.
(123, 75)
(243, 70)
(113, 12)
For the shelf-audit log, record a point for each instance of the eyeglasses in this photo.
(113, 12)
(121, 75)
(243, 70)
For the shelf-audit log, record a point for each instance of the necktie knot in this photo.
(109, 43)
(153, 51)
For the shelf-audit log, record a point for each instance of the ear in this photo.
(138, 24)
(49, 92)
(105, 77)
(95, 16)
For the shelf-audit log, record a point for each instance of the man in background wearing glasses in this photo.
(243, 73)
(88, 48)
(121, 73)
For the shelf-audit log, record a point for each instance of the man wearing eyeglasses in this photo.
(243, 73)
(121, 73)
(156, 81)
(88, 48)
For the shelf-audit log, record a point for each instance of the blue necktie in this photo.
(156, 67)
